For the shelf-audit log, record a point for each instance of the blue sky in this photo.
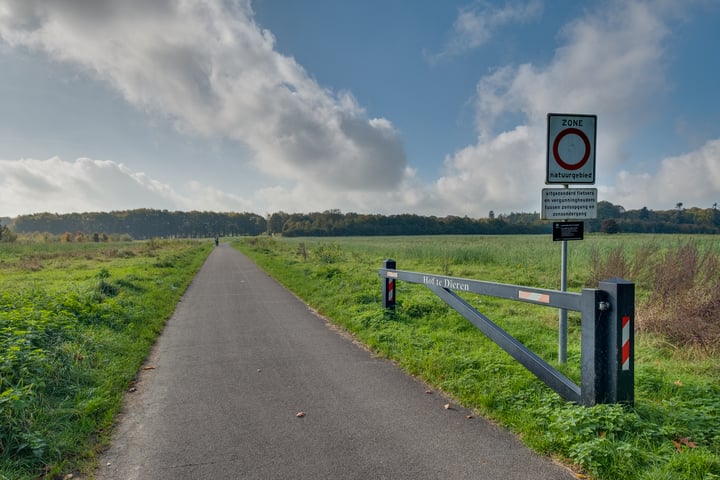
(393, 106)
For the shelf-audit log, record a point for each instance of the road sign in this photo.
(569, 203)
(568, 231)
(571, 148)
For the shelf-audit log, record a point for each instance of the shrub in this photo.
(684, 283)
(685, 300)
(329, 253)
(7, 235)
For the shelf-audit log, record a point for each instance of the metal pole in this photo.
(562, 323)
(563, 326)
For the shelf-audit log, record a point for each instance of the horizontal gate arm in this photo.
(538, 296)
(544, 371)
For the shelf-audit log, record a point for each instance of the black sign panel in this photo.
(568, 231)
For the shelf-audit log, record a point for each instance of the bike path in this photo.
(241, 357)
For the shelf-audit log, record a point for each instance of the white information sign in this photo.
(569, 203)
(571, 148)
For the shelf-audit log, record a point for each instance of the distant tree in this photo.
(679, 212)
(644, 213)
(491, 215)
(7, 235)
(606, 209)
(610, 226)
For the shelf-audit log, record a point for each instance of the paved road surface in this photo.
(241, 357)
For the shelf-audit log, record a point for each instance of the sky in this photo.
(380, 106)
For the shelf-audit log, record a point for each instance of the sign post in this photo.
(570, 160)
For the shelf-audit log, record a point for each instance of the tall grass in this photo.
(673, 431)
(682, 301)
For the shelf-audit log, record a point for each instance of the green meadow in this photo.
(78, 319)
(76, 322)
(672, 431)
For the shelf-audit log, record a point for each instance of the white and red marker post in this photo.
(388, 286)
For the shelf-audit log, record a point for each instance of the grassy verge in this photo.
(672, 432)
(76, 323)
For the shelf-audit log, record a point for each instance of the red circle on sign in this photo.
(556, 146)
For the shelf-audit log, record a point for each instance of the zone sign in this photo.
(571, 148)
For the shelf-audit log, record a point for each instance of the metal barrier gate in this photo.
(607, 338)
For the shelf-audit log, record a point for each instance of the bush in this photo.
(684, 282)
(684, 305)
(329, 253)
(7, 235)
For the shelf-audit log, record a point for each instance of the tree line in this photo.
(614, 219)
(610, 219)
(141, 224)
(149, 223)
(335, 223)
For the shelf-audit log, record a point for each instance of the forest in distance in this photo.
(141, 224)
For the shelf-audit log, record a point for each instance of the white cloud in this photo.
(610, 65)
(100, 185)
(31, 185)
(211, 69)
(478, 22)
(207, 198)
(693, 179)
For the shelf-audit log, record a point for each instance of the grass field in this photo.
(76, 322)
(672, 432)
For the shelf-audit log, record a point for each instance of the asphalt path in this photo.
(246, 382)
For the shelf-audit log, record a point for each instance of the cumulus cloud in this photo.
(609, 64)
(693, 179)
(211, 69)
(97, 185)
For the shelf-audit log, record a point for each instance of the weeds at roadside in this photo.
(683, 302)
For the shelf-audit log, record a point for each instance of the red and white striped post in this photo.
(619, 371)
(625, 362)
(388, 290)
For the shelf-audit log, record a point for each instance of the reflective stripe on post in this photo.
(626, 342)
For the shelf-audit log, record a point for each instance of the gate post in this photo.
(593, 348)
(621, 341)
(388, 286)
(608, 338)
